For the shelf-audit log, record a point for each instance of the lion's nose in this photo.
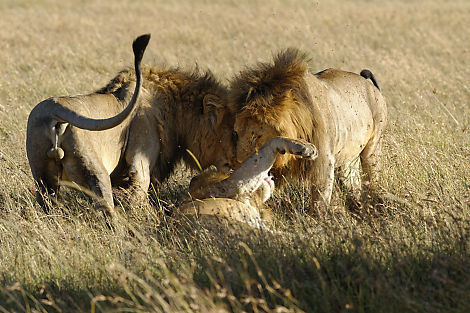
(226, 168)
(235, 163)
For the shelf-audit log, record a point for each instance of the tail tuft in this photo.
(139, 45)
(368, 75)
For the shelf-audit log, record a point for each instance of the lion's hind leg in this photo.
(370, 167)
(253, 171)
(350, 176)
(93, 177)
(262, 160)
(46, 171)
(47, 174)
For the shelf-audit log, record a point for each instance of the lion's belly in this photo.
(353, 123)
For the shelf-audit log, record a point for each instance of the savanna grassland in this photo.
(410, 252)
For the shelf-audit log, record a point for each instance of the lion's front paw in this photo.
(304, 149)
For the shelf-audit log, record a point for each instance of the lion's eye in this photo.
(253, 139)
(234, 137)
(234, 140)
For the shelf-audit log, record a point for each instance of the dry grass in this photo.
(410, 254)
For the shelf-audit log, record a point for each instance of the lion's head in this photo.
(270, 100)
(212, 138)
(189, 110)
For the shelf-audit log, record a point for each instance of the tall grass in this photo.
(408, 253)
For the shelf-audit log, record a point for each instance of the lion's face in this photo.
(267, 188)
(225, 153)
(210, 134)
(250, 136)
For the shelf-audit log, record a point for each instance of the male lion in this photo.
(341, 113)
(59, 141)
(239, 196)
(181, 116)
(177, 112)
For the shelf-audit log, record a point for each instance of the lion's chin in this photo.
(269, 179)
(267, 187)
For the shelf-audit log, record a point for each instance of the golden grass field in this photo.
(411, 253)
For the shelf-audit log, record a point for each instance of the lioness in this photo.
(62, 143)
(239, 196)
(343, 114)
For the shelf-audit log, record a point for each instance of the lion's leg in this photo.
(350, 176)
(369, 163)
(322, 180)
(139, 176)
(293, 146)
(46, 171)
(100, 184)
(47, 174)
(142, 153)
(140, 167)
(254, 169)
(94, 177)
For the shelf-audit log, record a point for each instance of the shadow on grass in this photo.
(396, 258)
(340, 271)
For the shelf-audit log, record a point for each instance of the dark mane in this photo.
(173, 83)
(175, 100)
(266, 84)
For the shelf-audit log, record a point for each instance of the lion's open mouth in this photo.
(270, 181)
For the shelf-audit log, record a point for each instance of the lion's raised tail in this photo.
(65, 115)
(368, 75)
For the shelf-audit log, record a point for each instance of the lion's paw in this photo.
(303, 149)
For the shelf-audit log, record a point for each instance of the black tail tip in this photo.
(139, 45)
(366, 74)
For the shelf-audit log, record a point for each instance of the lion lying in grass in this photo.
(239, 196)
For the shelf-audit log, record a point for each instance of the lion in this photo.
(342, 113)
(174, 115)
(239, 196)
(182, 116)
(62, 143)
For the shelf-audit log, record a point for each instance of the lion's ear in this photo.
(213, 110)
(250, 94)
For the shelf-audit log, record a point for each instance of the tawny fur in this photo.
(342, 113)
(59, 143)
(240, 196)
(177, 111)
